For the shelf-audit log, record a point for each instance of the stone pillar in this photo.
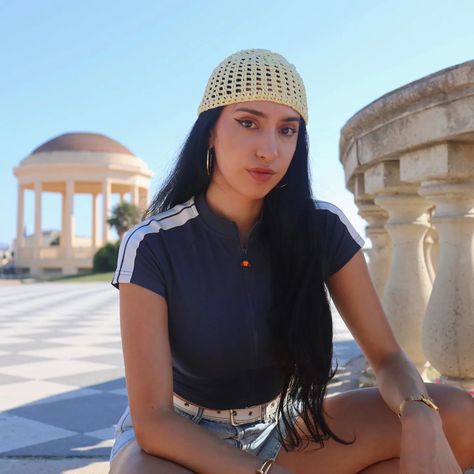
(380, 253)
(136, 195)
(408, 286)
(62, 232)
(447, 174)
(106, 187)
(143, 199)
(94, 243)
(68, 219)
(38, 236)
(20, 226)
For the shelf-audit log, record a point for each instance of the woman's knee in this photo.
(456, 406)
(132, 459)
(361, 414)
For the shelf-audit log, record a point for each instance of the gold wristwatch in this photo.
(419, 398)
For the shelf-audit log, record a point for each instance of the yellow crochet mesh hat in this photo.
(255, 74)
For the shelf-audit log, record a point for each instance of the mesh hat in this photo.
(255, 74)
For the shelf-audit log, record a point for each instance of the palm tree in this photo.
(124, 216)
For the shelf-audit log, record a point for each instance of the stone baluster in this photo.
(447, 174)
(380, 253)
(408, 286)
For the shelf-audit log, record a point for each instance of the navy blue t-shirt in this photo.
(218, 330)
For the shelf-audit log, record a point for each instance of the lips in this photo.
(262, 171)
(261, 174)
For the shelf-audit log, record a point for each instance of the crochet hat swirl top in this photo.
(255, 74)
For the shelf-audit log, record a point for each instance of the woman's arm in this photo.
(355, 297)
(397, 378)
(148, 368)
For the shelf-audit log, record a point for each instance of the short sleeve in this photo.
(138, 259)
(341, 240)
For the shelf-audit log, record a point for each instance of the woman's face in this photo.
(248, 135)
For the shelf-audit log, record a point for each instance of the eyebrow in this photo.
(261, 114)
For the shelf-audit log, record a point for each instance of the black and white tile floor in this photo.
(62, 383)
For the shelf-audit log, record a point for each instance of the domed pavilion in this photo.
(75, 163)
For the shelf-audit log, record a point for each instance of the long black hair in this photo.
(301, 321)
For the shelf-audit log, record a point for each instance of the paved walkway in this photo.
(61, 373)
(62, 384)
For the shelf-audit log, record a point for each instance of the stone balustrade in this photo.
(408, 158)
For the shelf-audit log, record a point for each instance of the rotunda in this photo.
(69, 164)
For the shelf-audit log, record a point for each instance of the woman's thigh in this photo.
(132, 459)
(364, 414)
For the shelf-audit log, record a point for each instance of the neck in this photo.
(242, 210)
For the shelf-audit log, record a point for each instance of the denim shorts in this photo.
(257, 437)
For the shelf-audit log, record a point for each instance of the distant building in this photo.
(75, 163)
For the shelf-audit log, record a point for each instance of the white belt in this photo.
(236, 416)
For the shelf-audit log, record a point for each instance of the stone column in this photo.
(94, 243)
(62, 233)
(136, 195)
(447, 174)
(408, 286)
(38, 238)
(20, 226)
(68, 225)
(106, 187)
(143, 200)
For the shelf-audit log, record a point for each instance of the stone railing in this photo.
(45, 258)
(408, 158)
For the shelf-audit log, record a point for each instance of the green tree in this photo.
(124, 216)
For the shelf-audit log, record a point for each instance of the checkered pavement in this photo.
(62, 383)
(61, 369)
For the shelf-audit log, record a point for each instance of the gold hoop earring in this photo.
(208, 162)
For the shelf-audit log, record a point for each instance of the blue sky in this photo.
(136, 71)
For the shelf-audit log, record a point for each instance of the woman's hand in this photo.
(424, 448)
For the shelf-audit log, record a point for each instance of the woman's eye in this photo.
(242, 122)
(292, 132)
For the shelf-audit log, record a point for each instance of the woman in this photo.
(225, 321)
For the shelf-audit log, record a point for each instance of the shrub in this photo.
(105, 259)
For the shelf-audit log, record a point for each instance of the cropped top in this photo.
(218, 330)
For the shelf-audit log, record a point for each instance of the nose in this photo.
(268, 146)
